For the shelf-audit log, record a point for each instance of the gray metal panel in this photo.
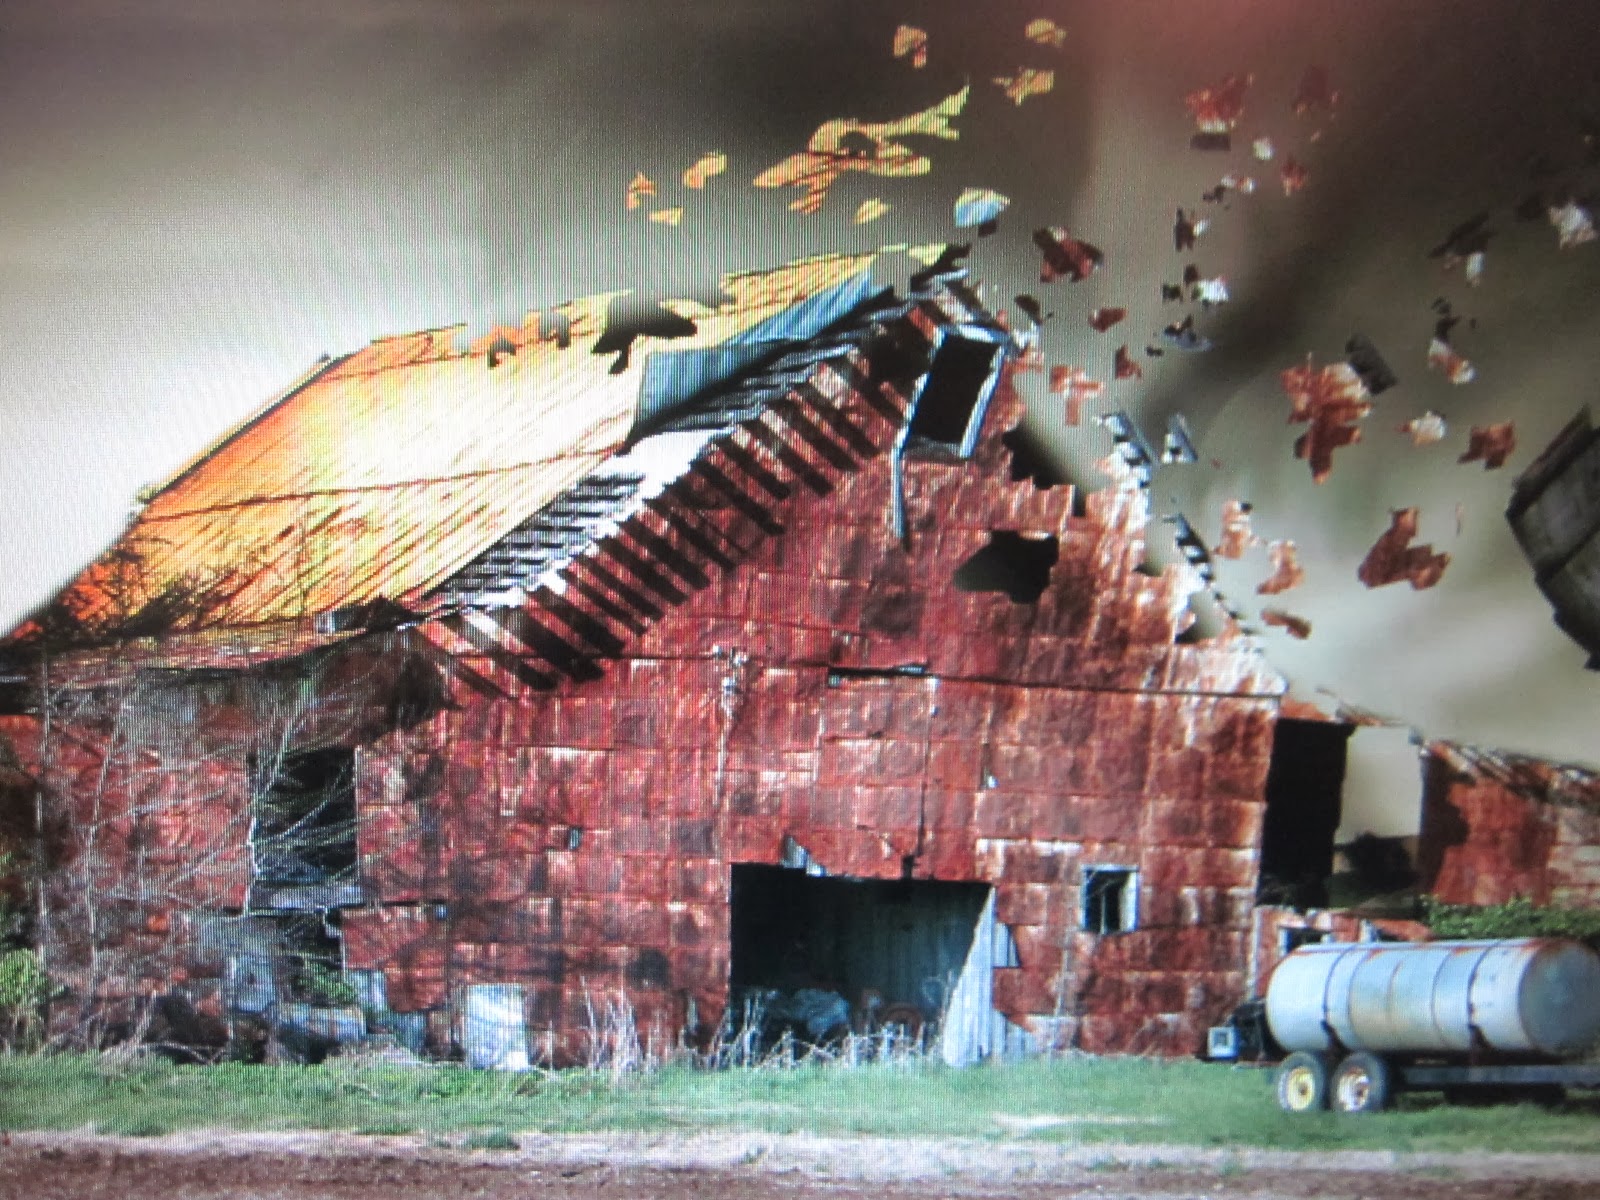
(1566, 512)
(496, 1029)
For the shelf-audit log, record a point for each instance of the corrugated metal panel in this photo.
(393, 468)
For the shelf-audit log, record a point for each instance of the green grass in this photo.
(1088, 1101)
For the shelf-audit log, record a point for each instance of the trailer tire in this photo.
(1303, 1083)
(1361, 1084)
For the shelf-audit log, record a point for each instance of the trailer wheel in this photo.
(1361, 1084)
(1303, 1083)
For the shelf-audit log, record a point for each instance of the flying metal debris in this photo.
(870, 210)
(1574, 224)
(1185, 229)
(1065, 256)
(1210, 291)
(667, 216)
(1171, 292)
(713, 162)
(1102, 319)
(1237, 536)
(909, 40)
(1245, 185)
(1028, 81)
(1075, 387)
(1031, 306)
(1263, 149)
(1295, 627)
(1293, 175)
(1125, 367)
(1425, 430)
(1365, 360)
(1472, 234)
(1393, 558)
(640, 187)
(981, 207)
(1490, 444)
(1184, 336)
(1442, 356)
(1178, 446)
(1217, 109)
(845, 144)
(1046, 32)
(1330, 400)
(1129, 443)
(1287, 572)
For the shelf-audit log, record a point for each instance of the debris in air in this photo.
(1443, 357)
(1331, 400)
(1210, 291)
(1287, 572)
(1178, 447)
(1102, 319)
(1263, 149)
(1065, 257)
(1171, 292)
(1184, 336)
(640, 187)
(1046, 32)
(1031, 306)
(1574, 224)
(1126, 368)
(1293, 175)
(1028, 81)
(1185, 229)
(713, 162)
(667, 216)
(981, 207)
(1075, 387)
(870, 210)
(1295, 627)
(909, 40)
(1490, 444)
(1425, 430)
(1365, 360)
(1393, 558)
(845, 144)
(1217, 109)
(1237, 536)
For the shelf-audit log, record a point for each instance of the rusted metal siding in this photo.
(1496, 826)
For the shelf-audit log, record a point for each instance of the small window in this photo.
(1110, 899)
(950, 406)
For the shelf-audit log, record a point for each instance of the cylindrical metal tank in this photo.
(1537, 996)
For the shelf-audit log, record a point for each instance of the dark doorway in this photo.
(1305, 788)
(876, 945)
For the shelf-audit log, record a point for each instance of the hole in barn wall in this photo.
(1305, 790)
(949, 407)
(574, 838)
(1011, 563)
(825, 954)
(1110, 902)
(304, 810)
(1030, 459)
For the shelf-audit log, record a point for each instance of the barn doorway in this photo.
(1305, 793)
(824, 955)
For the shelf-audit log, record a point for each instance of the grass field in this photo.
(1074, 1100)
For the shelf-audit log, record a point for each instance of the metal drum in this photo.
(1526, 995)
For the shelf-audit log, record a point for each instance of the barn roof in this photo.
(421, 477)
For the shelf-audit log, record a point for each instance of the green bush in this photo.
(1515, 918)
(24, 988)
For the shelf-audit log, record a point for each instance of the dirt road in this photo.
(297, 1166)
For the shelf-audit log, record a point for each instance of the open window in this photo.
(950, 405)
(1110, 902)
(1305, 791)
(303, 835)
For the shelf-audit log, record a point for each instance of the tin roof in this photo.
(402, 470)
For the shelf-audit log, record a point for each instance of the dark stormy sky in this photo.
(199, 198)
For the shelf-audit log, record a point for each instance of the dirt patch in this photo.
(298, 1166)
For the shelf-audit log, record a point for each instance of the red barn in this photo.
(573, 667)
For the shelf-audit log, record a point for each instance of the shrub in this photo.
(1515, 918)
(24, 988)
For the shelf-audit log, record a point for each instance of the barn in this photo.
(732, 659)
